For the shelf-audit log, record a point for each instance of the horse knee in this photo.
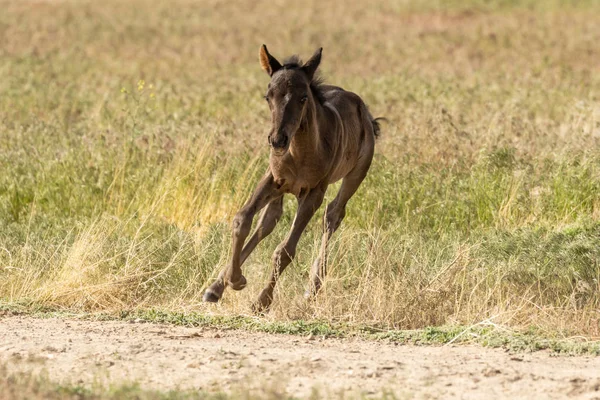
(242, 222)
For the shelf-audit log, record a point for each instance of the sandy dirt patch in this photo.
(167, 357)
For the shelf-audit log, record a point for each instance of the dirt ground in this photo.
(165, 357)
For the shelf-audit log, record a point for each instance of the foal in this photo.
(319, 135)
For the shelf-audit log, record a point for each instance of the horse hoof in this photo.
(240, 284)
(210, 296)
(259, 309)
(263, 303)
(311, 293)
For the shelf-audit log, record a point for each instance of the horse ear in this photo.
(310, 67)
(267, 61)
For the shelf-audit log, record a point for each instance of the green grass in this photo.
(482, 203)
(486, 333)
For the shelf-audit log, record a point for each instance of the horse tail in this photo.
(370, 124)
(377, 126)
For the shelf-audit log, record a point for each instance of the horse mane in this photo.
(317, 82)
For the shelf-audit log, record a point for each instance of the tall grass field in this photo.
(132, 131)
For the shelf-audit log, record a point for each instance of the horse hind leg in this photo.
(334, 214)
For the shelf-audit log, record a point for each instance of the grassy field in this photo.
(131, 132)
(24, 386)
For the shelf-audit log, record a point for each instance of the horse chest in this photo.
(295, 179)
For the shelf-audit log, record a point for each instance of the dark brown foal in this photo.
(319, 135)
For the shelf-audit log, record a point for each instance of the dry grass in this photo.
(482, 203)
(31, 386)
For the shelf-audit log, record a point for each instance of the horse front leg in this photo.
(283, 256)
(266, 192)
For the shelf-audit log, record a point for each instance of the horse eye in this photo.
(303, 99)
(266, 98)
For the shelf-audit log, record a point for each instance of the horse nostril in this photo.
(280, 143)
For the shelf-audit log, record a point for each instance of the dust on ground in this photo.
(169, 357)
